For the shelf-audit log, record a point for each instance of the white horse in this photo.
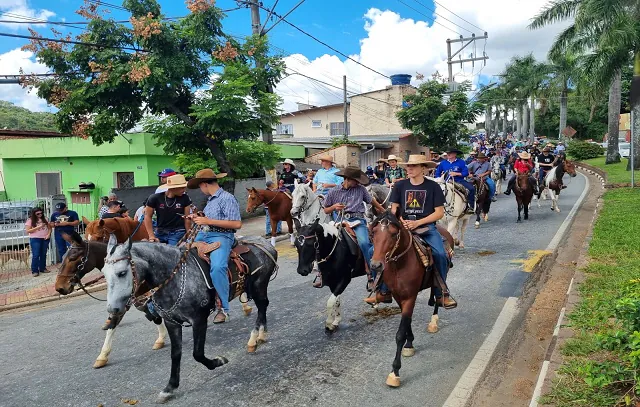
(307, 206)
(455, 207)
(496, 172)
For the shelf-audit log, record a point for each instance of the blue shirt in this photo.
(324, 176)
(222, 206)
(68, 216)
(456, 166)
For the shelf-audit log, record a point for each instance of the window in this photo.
(316, 124)
(284, 129)
(337, 129)
(47, 184)
(82, 198)
(125, 180)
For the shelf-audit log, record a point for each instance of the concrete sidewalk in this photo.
(256, 227)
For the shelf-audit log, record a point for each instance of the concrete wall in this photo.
(302, 121)
(343, 156)
(408, 145)
(371, 116)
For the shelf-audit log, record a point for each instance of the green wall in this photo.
(291, 151)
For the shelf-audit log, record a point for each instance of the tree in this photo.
(18, 118)
(564, 73)
(197, 86)
(436, 117)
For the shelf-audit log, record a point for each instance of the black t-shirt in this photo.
(419, 200)
(168, 209)
(548, 159)
(110, 215)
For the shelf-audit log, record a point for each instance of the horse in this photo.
(279, 205)
(306, 206)
(180, 293)
(380, 193)
(404, 273)
(553, 181)
(455, 207)
(483, 203)
(338, 261)
(123, 228)
(496, 172)
(523, 190)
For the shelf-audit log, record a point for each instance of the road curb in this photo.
(38, 301)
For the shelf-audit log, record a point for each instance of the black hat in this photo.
(454, 150)
(61, 205)
(111, 204)
(354, 173)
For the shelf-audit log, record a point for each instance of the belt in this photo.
(349, 215)
(217, 229)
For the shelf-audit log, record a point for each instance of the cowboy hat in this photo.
(381, 160)
(354, 173)
(474, 152)
(419, 159)
(288, 161)
(203, 176)
(546, 150)
(175, 181)
(453, 150)
(524, 156)
(481, 155)
(393, 157)
(326, 158)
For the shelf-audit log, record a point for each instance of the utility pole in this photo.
(344, 97)
(473, 58)
(255, 17)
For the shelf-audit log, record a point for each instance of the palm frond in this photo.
(562, 41)
(555, 11)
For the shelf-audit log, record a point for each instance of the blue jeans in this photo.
(39, 248)
(492, 186)
(471, 199)
(268, 224)
(541, 175)
(440, 260)
(170, 237)
(61, 244)
(362, 234)
(219, 260)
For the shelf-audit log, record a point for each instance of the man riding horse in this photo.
(522, 165)
(480, 171)
(419, 202)
(457, 169)
(221, 220)
(545, 161)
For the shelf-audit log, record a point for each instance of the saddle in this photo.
(288, 194)
(460, 189)
(431, 277)
(348, 235)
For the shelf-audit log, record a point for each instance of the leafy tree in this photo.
(18, 118)
(197, 86)
(438, 118)
(590, 123)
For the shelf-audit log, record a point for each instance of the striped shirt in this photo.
(352, 198)
(222, 206)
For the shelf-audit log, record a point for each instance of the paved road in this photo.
(46, 353)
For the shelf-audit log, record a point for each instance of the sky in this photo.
(390, 36)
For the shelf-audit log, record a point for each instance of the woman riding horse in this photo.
(522, 165)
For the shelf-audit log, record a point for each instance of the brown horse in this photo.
(279, 205)
(523, 190)
(483, 202)
(404, 273)
(553, 181)
(123, 228)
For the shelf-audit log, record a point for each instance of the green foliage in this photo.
(582, 150)
(18, 118)
(249, 159)
(342, 140)
(437, 118)
(578, 117)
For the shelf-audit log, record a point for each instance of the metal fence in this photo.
(15, 253)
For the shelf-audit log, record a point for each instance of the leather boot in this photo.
(448, 303)
(317, 282)
(378, 298)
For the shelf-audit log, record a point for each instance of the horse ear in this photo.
(316, 222)
(248, 190)
(85, 220)
(295, 182)
(113, 242)
(67, 238)
(101, 223)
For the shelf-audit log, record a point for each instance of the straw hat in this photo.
(174, 182)
(524, 155)
(393, 157)
(546, 150)
(354, 173)
(474, 152)
(326, 157)
(419, 159)
(289, 161)
(203, 176)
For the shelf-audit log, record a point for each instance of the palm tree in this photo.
(564, 71)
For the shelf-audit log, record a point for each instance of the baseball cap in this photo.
(61, 205)
(115, 203)
(167, 172)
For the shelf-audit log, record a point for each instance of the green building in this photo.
(41, 164)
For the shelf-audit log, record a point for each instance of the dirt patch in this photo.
(486, 253)
(514, 370)
(380, 313)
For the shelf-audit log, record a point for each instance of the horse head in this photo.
(385, 230)
(118, 273)
(302, 195)
(72, 268)
(522, 181)
(569, 167)
(254, 200)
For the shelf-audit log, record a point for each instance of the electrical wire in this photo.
(90, 44)
(471, 24)
(441, 16)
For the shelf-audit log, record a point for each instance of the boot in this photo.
(447, 303)
(378, 298)
(509, 188)
(317, 282)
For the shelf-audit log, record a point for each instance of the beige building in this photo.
(372, 123)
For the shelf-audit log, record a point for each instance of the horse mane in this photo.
(551, 175)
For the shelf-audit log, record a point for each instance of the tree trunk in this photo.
(518, 111)
(563, 111)
(487, 119)
(532, 120)
(613, 155)
(525, 121)
(223, 163)
(635, 113)
(497, 122)
(504, 122)
(592, 111)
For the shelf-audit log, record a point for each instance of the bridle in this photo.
(389, 257)
(306, 200)
(76, 280)
(316, 245)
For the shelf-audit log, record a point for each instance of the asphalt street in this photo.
(46, 352)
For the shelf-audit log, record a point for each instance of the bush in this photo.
(582, 150)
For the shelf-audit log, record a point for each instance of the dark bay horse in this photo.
(123, 228)
(80, 259)
(404, 273)
(523, 190)
(173, 281)
(553, 181)
(323, 242)
(279, 205)
(483, 202)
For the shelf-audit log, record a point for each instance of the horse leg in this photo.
(526, 211)
(555, 200)
(478, 210)
(452, 228)
(199, 339)
(329, 326)
(162, 334)
(103, 358)
(393, 380)
(274, 225)
(175, 336)
(292, 238)
(463, 227)
(262, 319)
(486, 208)
(519, 210)
(246, 308)
(433, 324)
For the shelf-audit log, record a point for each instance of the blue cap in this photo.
(61, 205)
(167, 172)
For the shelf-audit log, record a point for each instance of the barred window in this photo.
(337, 128)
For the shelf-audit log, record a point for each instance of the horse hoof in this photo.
(330, 329)
(486, 218)
(252, 348)
(247, 311)
(393, 380)
(477, 225)
(100, 363)
(432, 328)
(408, 352)
(163, 397)
(262, 339)
(456, 242)
(158, 345)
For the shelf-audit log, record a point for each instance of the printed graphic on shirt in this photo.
(414, 201)
(64, 218)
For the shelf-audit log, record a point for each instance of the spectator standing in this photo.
(39, 236)
(105, 207)
(63, 220)
(164, 175)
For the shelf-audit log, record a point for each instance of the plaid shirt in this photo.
(352, 198)
(222, 206)
(395, 173)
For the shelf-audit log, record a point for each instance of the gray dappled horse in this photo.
(380, 193)
(182, 296)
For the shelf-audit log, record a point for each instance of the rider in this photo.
(545, 161)
(481, 169)
(221, 220)
(163, 175)
(350, 198)
(394, 173)
(471, 158)
(370, 174)
(289, 174)
(522, 165)
(172, 207)
(458, 170)
(420, 202)
(326, 177)
(380, 171)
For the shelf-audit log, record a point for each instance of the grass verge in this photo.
(616, 173)
(602, 361)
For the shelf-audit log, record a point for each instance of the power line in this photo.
(433, 20)
(91, 44)
(458, 16)
(30, 20)
(441, 16)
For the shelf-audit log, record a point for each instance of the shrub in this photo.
(582, 150)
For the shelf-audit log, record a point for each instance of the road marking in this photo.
(570, 285)
(535, 257)
(464, 388)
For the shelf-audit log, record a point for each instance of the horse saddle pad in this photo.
(431, 278)
(461, 190)
(349, 235)
(242, 263)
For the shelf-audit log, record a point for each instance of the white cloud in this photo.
(19, 10)
(401, 45)
(11, 62)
